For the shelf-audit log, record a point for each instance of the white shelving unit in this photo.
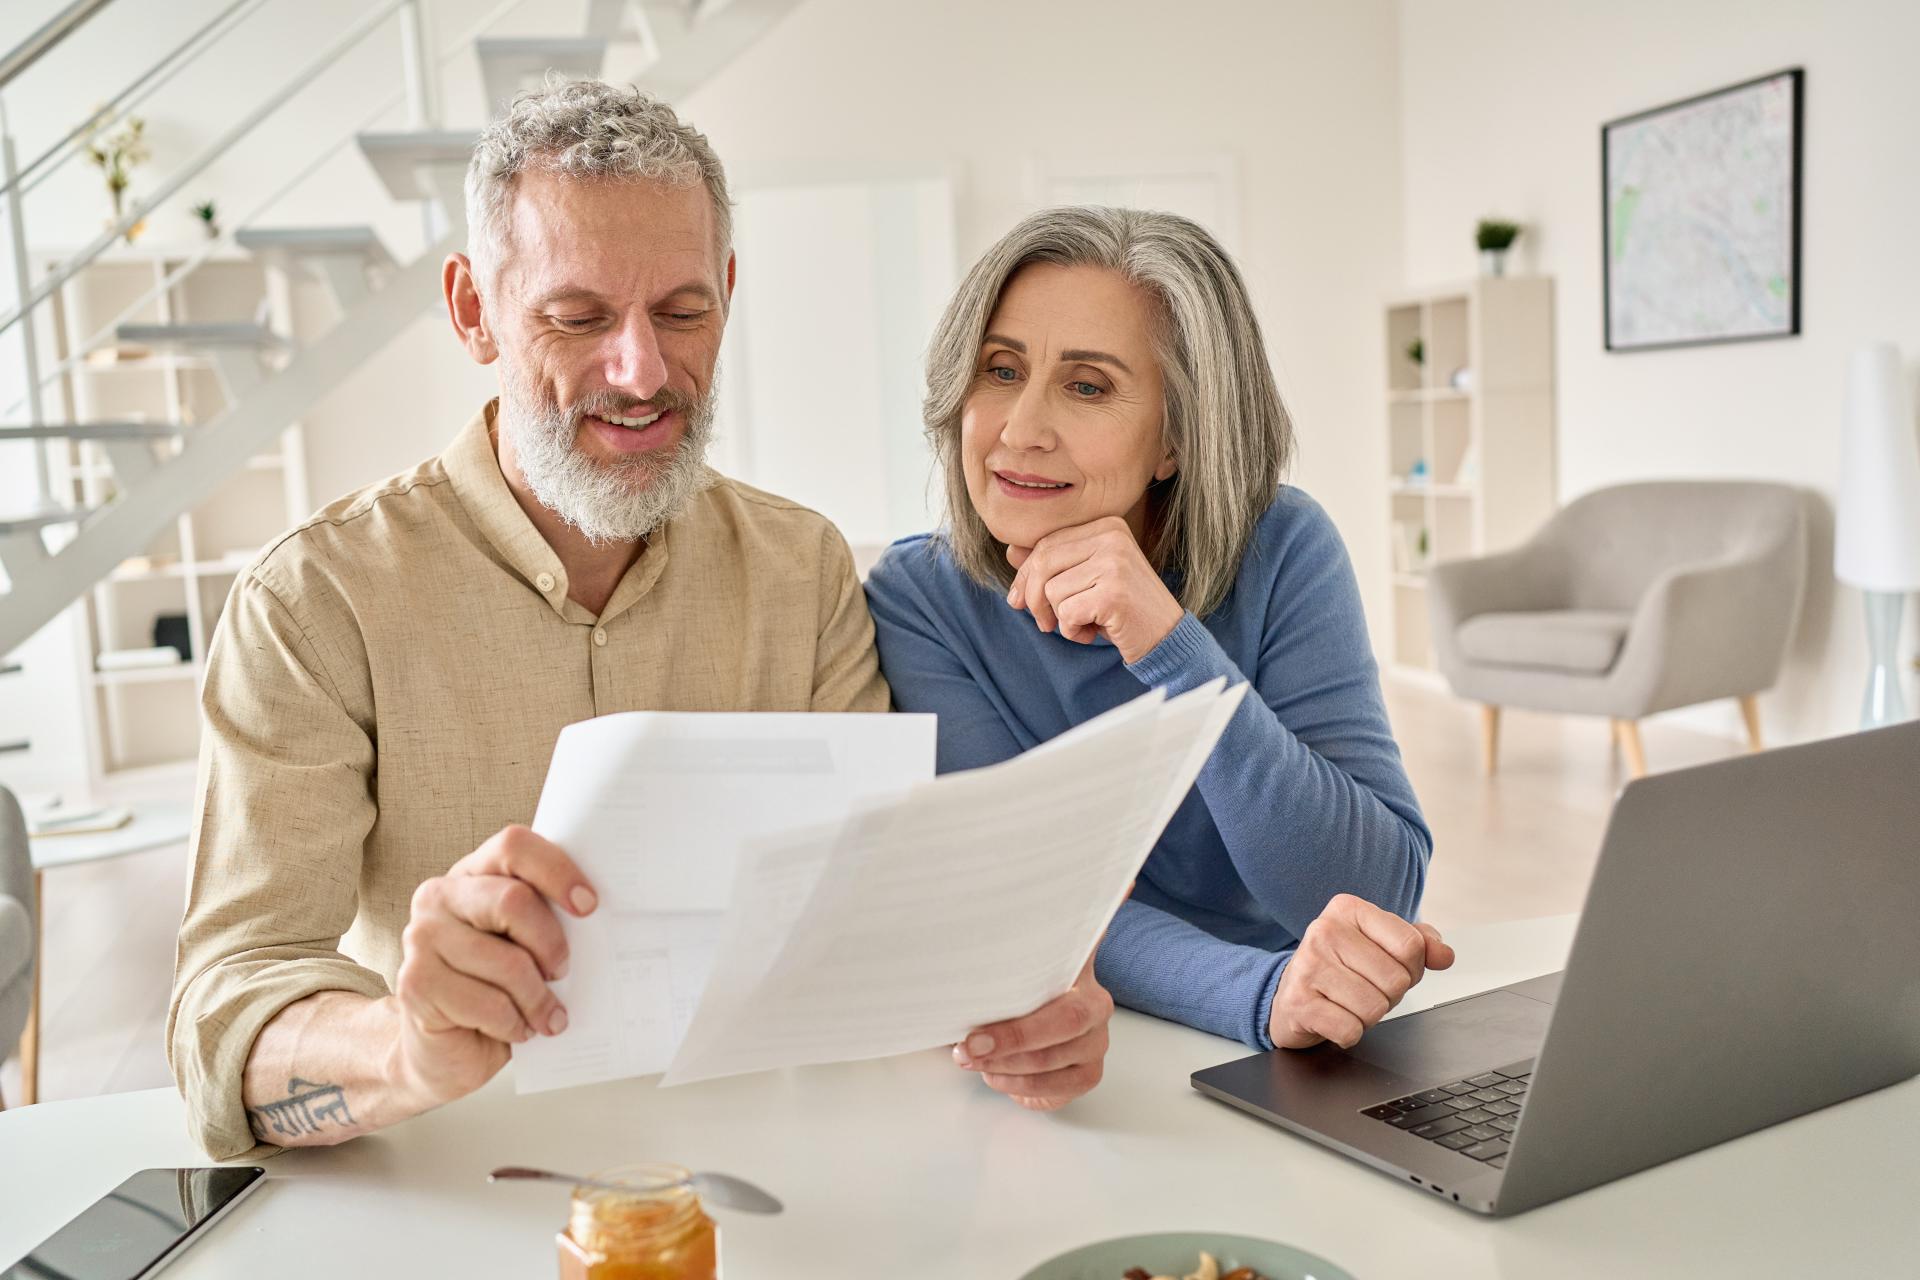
(148, 716)
(1470, 434)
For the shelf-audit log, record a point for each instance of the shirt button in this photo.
(544, 582)
(600, 636)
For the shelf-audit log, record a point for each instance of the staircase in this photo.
(162, 469)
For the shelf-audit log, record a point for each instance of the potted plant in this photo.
(116, 152)
(209, 219)
(1494, 238)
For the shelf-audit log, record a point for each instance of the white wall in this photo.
(1501, 105)
(820, 394)
(1299, 100)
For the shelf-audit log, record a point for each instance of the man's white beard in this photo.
(616, 501)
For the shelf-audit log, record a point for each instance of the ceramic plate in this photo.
(1177, 1253)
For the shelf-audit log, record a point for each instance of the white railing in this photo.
(424, 111)
(51, 33)
(34, 294)
(144, 86)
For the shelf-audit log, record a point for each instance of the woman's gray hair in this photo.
(585, 129)
(1224, 424)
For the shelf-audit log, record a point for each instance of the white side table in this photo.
(155, 825)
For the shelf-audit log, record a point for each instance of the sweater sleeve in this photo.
(926, 674)
(1150, 960)
(1306, 785)
(1154, 961)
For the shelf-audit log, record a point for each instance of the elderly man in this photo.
(367, 934)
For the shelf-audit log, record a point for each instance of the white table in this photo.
(907, 1167)
(154, 825)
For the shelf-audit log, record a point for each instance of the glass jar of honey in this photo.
(656, 1231)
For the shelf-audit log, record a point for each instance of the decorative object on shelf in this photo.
(1417, 351)
(1461, 379)
(1418, 473)
(171, 629)
(1467, 473)
(1494, 237)
(1424, 547)
(1876, 537)
(152, 562)
(115, 151)
(1406, 547)
(209, 219)
(1702, 218)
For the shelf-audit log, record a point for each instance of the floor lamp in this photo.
(1876, 543)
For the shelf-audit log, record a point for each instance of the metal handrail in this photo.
(51, 32)
(452, 50)
(143, 86)
(332, 54)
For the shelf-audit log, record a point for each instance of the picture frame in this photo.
(1701, 217)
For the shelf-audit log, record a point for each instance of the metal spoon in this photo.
(722, 1189)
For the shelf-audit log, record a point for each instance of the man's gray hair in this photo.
(591, 130)
(1224, 424)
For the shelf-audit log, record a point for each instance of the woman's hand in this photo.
(1091, 580)
(1050, 1057)
(1353, 966)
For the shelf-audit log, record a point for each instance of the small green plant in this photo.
(115, 152)
(1495, 234)
(209, 217)
(1417, 351)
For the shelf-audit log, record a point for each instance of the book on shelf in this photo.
(137, 659)
(78, 822)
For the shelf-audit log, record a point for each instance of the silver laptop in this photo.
(1749, 952)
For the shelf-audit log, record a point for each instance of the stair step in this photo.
(237, 333)
(544, 49)
(508, 62)
(92, 431)
(399, 158)
(29, 521)
(610, 18)
(313, 242)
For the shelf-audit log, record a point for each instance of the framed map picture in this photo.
(1702, 218)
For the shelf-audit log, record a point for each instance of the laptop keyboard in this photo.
(1475, 1116)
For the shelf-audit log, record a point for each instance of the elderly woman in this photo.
(1113, 443)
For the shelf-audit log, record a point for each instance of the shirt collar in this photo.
(473, 465)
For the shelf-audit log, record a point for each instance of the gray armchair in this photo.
(1630, 600)
(16, 922)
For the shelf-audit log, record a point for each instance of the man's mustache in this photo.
(600, 404)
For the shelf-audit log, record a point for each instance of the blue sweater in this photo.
(1303, 798)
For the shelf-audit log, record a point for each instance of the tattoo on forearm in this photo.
(307, 1108)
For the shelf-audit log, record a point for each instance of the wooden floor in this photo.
(1518, 845)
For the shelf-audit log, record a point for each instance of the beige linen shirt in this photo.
(384, 692)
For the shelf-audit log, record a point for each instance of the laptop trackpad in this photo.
(1459, 1039)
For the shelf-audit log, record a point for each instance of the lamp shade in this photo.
(1876, 536)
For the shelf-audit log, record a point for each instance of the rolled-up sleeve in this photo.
(283, 809)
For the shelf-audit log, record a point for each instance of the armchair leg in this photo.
(1627, 734)
(1750, 710)
(1489, 738)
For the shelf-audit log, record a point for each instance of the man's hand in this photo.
(1353, 966)
(1050, 1057)
(477, 954)
(1093, 579)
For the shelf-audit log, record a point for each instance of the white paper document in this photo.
(970, 899)
(656, 809)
